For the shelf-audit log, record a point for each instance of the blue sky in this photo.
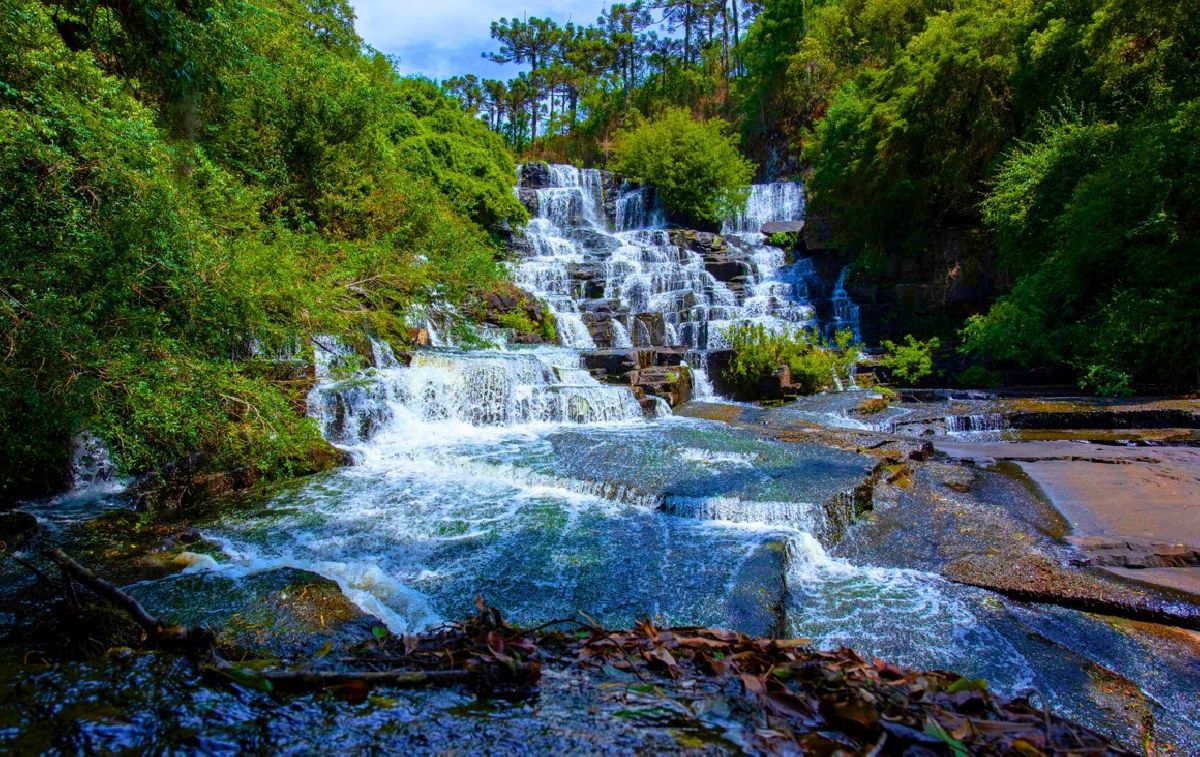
(441, 38)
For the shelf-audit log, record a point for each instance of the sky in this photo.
(444, 38)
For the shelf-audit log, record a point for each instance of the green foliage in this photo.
(549, 329)
(978, 377)
(759, 353)
(910, 361)
(907, 147)
(189, 188)
(1106, 381)
(694, 164)
(786, 240)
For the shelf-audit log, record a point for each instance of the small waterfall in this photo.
(638, 209)
(980, 423)
(845, 312)
(702, 388)
(737, 510)
(574, 201)
(92, 466)
(620, 336)
(485, 389)
(781, 202)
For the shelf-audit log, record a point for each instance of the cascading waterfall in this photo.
(496, 389)
(780, 202)
(616, 278)
(516, 474)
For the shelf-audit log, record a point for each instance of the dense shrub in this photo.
(187, 188)
(694, 164)
(911, 360)
(759, 353)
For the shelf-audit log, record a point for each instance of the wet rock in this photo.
(613, 363)
(960, 479)
(1125, 553)
(782, 227)
(536, 175)
(190, 482)
(280, 613)
(529, 199)
(649, 330)
(595, 241)
(758, 598)
(673, 384)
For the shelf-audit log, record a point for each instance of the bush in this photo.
(910, 361)
(785, 240)
(184, 192)
(694, 164)
(1106, 381)
(759, 353)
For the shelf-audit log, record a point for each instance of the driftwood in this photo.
(200, 643)
(157, 632)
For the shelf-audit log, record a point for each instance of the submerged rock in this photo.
(278, 613)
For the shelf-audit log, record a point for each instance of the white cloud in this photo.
(442, 38)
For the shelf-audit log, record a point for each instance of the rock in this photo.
(595, 241)
(649, 330)
(529, 199)
(782, 227)
(280, 613)
(673, 384)
(188, 482)
(535, 175)
(15, 529)
(1103, 551)
(617, 362)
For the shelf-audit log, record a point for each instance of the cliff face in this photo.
(932, 292)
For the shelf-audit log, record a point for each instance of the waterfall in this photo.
(643, 286)
(638, 209)
(781, 202)
(845, 312)
(92, 466)
(466, 390)
(573, 201)
(984, 422)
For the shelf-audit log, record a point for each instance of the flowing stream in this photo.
(515, 474)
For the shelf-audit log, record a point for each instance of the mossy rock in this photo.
(280, 613)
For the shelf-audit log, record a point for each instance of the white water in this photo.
(518, 475)
(625, 282)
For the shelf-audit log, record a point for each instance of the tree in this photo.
(694, 164)
(529, 42)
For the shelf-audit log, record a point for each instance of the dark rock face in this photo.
(529, 199)
(651, 373)
(614, 362)
(671, 384)
(535, 176)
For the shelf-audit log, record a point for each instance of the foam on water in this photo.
(514, 473)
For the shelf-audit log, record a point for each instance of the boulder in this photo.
(280, 613)
(612, 362)
(535, 176)
(673, 384)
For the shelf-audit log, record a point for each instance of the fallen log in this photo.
(157, 633)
